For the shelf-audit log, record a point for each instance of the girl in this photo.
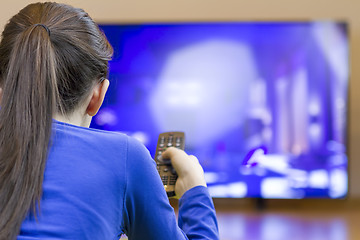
(60, 179)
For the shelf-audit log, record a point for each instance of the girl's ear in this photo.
(97, 97)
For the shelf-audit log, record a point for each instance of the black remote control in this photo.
(167, 172)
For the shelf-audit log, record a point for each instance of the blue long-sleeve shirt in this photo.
(99, 185)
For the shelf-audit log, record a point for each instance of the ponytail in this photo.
(27, 107)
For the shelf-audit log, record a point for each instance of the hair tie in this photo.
(44, 26)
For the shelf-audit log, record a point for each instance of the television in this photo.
(263, 104)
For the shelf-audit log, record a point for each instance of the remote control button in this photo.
(170, 194)
(169, 144)
(165, 179)
(172, 180)
(178, 139)
(177, 145)
(168, 164)
(161, 145)
(165, 169)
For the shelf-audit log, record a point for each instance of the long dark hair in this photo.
(44, 70)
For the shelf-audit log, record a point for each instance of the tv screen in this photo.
(263, 104)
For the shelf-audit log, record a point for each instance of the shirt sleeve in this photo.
(197, 217)
(147, 211)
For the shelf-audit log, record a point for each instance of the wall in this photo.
(202, 10)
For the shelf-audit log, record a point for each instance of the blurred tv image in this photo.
(263, 104)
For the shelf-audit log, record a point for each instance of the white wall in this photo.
(202, 10)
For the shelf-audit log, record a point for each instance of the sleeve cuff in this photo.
(194, 192)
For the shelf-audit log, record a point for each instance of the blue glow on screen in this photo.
(233, 88)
